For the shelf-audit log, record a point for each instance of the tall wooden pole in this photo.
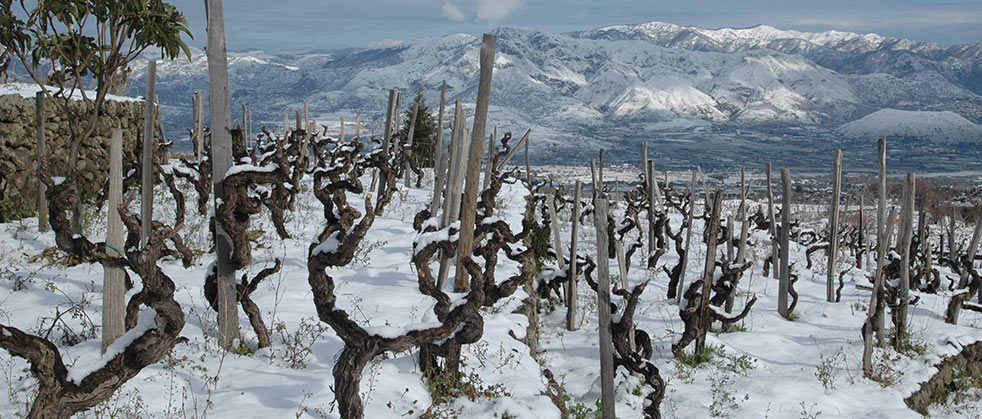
(199, 124)
(773, 226)
(603, 297)
(571, 290)
(688, 236)
(409, 142)
(114, 281)
(221, 160)
(384, 178)
(834, 226)
(785, 281)
(468, 215)
(878, 282)
(439, 164)
(42, 201)
(906, 234)
(709, 270)
(451, 203)
(146, 183)
(744, 221)
(358, 126)
(528, 169)
(557, 243)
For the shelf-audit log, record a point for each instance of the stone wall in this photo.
(18, 172)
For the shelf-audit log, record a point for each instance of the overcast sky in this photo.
(303, 25)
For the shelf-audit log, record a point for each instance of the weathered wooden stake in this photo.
(834, 226)
(514, 149)
(358, 126)
(571, 290)
(439, 166)
(451, 203)
(653, 209)
(221, 160)
(409, 142)
(906, 234)
(528, 169)
(688, 236)
(42, 201)
(603, 297)
(772, 227)
(468, 215)
(952, 248)
(782, 296)
(557, 243)
(708, 273)
(146, 183)
(113, 283)
(384, 178)
(744, 220)
(874, 298)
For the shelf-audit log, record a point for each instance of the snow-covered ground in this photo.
(767, 367)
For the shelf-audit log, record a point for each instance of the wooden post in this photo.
(358, 126)
(878, 282)
(439, 165)
(221, 160)
(688, 236)
(644, 162)
(709, 270)
(201, 124)
(383, 179)
(252, 135)
(571, 290)
(306, 114)
(834, 226)
(652, 213)
(299, 124)
(862, 231)
(952, 249)
(782, 296)
(146, 183)
(40, 151)
(286, 124)
(397, 115)
(113, 282)
(906, 233)
(468, 215)
(773, 226)
(729, 238)
(528, 169)
(492, 150)
(409, 142)
(557, 243)
(882, 242)
(744, 219)
(603, 297)
(451, 204)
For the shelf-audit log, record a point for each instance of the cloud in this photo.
(494, 11)
(452, 12)
(385, 43)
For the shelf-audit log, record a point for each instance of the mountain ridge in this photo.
(617, 85)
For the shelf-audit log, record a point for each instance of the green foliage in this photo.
(57, 31)
(444, 388)
(12, 211)
(539, 236)
(424, 132)
(707, 354)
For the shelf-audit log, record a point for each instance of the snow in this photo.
(380, 291)
(82, 369)
(941, 126)
(29, 90)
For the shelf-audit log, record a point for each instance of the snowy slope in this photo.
(944, 126)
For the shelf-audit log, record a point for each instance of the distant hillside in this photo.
(748, 91)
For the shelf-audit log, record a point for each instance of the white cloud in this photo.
(452, 12)
(494, 11)
(385, 43)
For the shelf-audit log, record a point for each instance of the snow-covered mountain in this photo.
(614, 86)
(940, 126)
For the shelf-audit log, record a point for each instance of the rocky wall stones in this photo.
(18, 165)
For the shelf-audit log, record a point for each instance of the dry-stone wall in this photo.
(18, 168)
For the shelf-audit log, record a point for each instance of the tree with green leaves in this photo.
(424, 133)
(84, 45)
